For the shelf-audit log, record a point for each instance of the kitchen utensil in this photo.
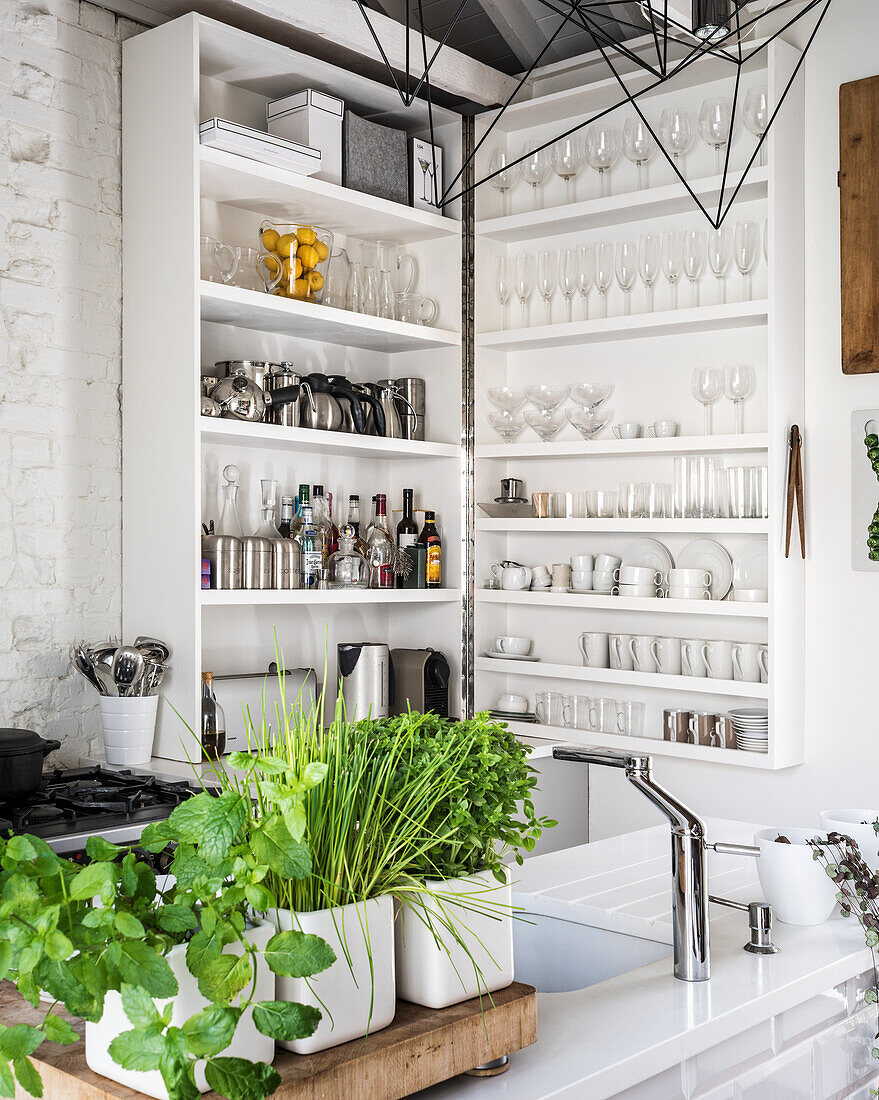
(226, 556)
(83, 664)
(692, 660)
(620, 654)
(549, 708)
(795, 491)
(287, 414)
(218, 262)
(128, 725)
(128, 669)
(789, 878)
(22, 753)
(712, 557)
(364, 671)
(153, 649)
(641, 651)
(575, 711)
(209, 407)
(391, 400)
(718, 660)
(411, 396)
(240, 398)
(511, 491)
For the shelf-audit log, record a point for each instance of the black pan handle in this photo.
(50, 746)
(283, 395)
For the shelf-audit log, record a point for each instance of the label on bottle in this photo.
(434, 566)
(312, 561)
(385, 573)
(407, 540)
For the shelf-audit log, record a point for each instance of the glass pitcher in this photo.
(247, 275)
(218, 261)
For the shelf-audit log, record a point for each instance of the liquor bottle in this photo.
(301, 501)
(321, 519)
(288, 513)
(346, 567)
(354, 513)
(407, 530)
(311, 551)
(380, 548)
(213, 720)
(334, 530)
(430, 539)
(371, 523)
(230, 522)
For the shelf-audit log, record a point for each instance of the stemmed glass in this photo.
(648, 264)
(747, 245)
(719, 257)
(523, 280)
(756, 115)
(694, 259)
(585, 275)
(503, 175)
(547, 277)
(567, 160)
(603, 272)
(673, 260)
(707, 386)
(569, 272)
(715, 124)
(738, 385)
(678, 131)
(534, 169)
(627, 270)
(602, 152)
(504, 287)
(639, 145)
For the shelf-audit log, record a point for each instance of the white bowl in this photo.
(849, 822)
(749, 595)
(794, 883)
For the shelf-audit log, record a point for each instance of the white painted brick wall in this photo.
(60, 344)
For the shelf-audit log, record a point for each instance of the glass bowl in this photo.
(589, 395)
(506, 398)
(546, 398)
(587, 423)
(507, 425)
(545, 426)
(294, 259)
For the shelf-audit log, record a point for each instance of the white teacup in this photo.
(718, 660)
(749, 595)
(583, 563)
(627, 430)
(689, 594)
(514, 704)
(594, 649)
(606, 563)
(518, 647)
(688, 578)
(603, 582)
(541, 582)
(582, 582)
(662, 429)
(640, 591)
(538, 571)
(667, 655)
(639, 574)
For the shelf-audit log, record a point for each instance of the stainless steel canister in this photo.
(283, 374)
(411, 390)
(226, 555)
(285, 564)
(258, 562)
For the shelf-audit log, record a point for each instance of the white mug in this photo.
(620, 657)
(718, 660)
(746, 662)
(603, 583)
(515, 578)
(641, 653)
(607, 563)
(667, 655)
(514, 704)
(594, 649)
(764, 664)
(583, 563)
(662, 429)
(538, 572)
(692, 662)
(628, 430)
(582, 582)
(519, 647)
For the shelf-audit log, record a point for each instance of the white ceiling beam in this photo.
(519, 29)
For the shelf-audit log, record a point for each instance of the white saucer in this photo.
(510, 656)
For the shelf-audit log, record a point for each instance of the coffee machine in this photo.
(421, 681)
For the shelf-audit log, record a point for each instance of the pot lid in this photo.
(16, 742)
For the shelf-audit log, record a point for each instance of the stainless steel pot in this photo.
(209, 407)
(240, 398)
(282, 375)
(256, 370)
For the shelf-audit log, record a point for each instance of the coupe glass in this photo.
(707, 386)
(649, 253)
(627, 270)
(508, 399)
(534, 169)
(673, 260)
(746, 247)
(585, 275)
(719, 257)
(588, 423)
(603, 272)
(738, 385)
(523, 279)
(715, 125)
(504, 287)
(547, 279)
(756, 115)
(567, 159)
(508, 426)
(694, 259)
(590, 395)
(602, 152)
(546, 426)
(503, 175)
(678, 132)
(569, 268)
(546, 399)
(639, 145)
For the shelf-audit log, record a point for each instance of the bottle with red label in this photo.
(380, 547)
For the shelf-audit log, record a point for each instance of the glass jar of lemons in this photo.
(294, 259)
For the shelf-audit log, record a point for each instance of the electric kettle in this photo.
(367, 679)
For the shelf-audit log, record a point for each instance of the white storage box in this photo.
(219, 133)
(315, 119)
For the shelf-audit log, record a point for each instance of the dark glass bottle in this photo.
(213, 720)
(288, 510)
(430, 539)
(407, 528)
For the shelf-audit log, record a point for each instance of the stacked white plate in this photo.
(751, 727)
(513, 716)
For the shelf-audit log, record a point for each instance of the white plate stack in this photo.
(751, 727)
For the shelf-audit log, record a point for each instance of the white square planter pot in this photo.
(354, 1000)
(440, 976)
(248, 1042)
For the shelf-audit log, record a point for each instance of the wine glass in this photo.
(569, 273)
(504, 287)
(602, 153)
(738, 385)
(715, 125)
(603, 272)
(756, 115)
(627, 270)
(746, 247)
(585, 275)
(673, 260)
(648, 263)
(523, 281)
(567, 160)
(534, 170)
(719, 257)
(694, 259)
(678, 131)
(707, 386)
(639, 145)
(503, 175)
(547, 278)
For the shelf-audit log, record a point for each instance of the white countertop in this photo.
(598, 1041)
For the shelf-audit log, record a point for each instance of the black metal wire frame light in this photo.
(718, 28)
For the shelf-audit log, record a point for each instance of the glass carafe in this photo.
(400, 266)
(218, 262)
(230, 523)
(247, 275)
(347, 568)
(268, 529)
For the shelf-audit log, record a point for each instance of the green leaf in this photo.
(156, 837)
(211, 1030)
(28, 1077)
(137, 1050)
(95, 878)
(98, 918)
(176, 1068)
(138, 1006)
(201, 949)
(57, 946)
(19, 1041)
(101, 851)
(314, 773)
(222, 822)
(47, 921)
(273, 846)
(872, 937)
(225, 976)
(5, 958)
(274, 765)
(285, 1020)
(294, 818)
(177, 918)
(238, 1079)
(241, 761)
(59, 979)
(259, 896)
(187, 819)
(7, 1081)
(146, 881)
(128, 879)
(140, 965)
(298, 954)
(871, 997)
(20, 848)
(128, 925)
(58, 1030)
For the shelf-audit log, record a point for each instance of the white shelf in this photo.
(229, 305)
(625, 448)
(342, 597)
(617, 525)
(672, 198)
(691, 684)
(595, 601)
(647, 746)
(310, 441)
(671, 322)
(287, 196)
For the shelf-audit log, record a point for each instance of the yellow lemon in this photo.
(281, 293)
(322, 251)
(270, 239)
(272, 264)
(308, 256)
(300, 289)
(315, 281)
(287, 245)
(306, 235)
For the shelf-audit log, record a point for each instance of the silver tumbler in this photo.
(412, 390)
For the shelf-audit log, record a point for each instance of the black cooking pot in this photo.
(22, 754)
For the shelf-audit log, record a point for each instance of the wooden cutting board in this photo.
(421, 1047)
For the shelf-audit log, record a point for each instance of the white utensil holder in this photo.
(129, 726)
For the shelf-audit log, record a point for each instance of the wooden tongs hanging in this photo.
(795, 490)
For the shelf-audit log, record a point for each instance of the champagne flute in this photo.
(626, 270)
(602, 153)
(738, 385)
(694, 259)
(569, 273)
(503, 176)
(523, 280)
(648, 263)
(756, 115)
(746, 247)
(567, 160)
(534, 170)
(504, 287)
(547, 277)
(639, 145)
(678, 131)
(706, 385)
(603, 272)
(585, 275)
(719, 257)
(715, 126)
(673, 261)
